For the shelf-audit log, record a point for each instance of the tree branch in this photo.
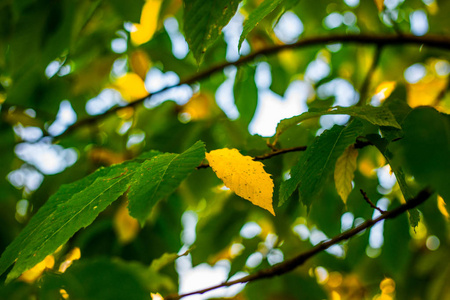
(442, 42)
(293, 263)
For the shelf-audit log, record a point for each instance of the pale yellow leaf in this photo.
(344, 172)
(379, 4)
(149, 21)
(441, 206)
(131, 86)
(243, 175)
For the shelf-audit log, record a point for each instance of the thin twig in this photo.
(267, 155)
(380, 40)
(297, 261)
(370, 202)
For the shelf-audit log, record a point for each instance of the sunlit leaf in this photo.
(35, 272)
(159, 177)
(131, 86)
(379, 4)
(442, 209)
(380, 116)
(318, 162)
(145, 30)
(198, 107)
(426, 92)
(344, 172)
(244, 176)
(74, 254)
(203, 22)
(140, 63)
(384, 90)
(126, 227)
(256, 16)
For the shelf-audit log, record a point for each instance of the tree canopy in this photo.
(298, 148)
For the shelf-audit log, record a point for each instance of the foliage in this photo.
(118, 126)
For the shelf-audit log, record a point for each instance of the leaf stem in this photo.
(370, 202)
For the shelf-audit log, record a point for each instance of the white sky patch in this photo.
(272, 108)
(66, 116)
(232, 32)
(224, 94)
(347, 221)
(352, 3)
(52, 68)
(103, 102)
(419, 22)
(119, 45)
(289, 28)
(414, 73)
(26, 177)
(180, 47)
(333, 20)
(250, 230)
(376, 238)
(46, 157)
(317, 70)
(119, 68)
(302, 231)
(28, 134)
(386, 178)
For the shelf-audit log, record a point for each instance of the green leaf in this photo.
(159, 177)
(382, 145)
(130, 11)
(246, 94)
(99, 279)
(426, 148)
(380, 116)
(256, 16)
(203, 22)
(318, 162)
(73, 207)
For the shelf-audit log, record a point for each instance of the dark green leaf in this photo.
(318, 162)
(426, 148)
(160, 176)
(99, 279)
(73, 207)
(203, 22)
(376, 115)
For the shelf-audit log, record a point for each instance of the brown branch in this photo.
(297, 261)
(267, 155)
(442, 42)
(370, 202)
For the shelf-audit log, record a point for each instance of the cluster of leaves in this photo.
(142, 163)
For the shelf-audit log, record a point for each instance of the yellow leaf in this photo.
(140, 63)
(74, 254)
(35, 272)
(156, 296)
(344, 172)
(198, 107)
(426, 91)
(131, 86)
(243, 175)
(126, 227)
(379, 4)
(441, 206)
(385, 89)
(149, 21)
